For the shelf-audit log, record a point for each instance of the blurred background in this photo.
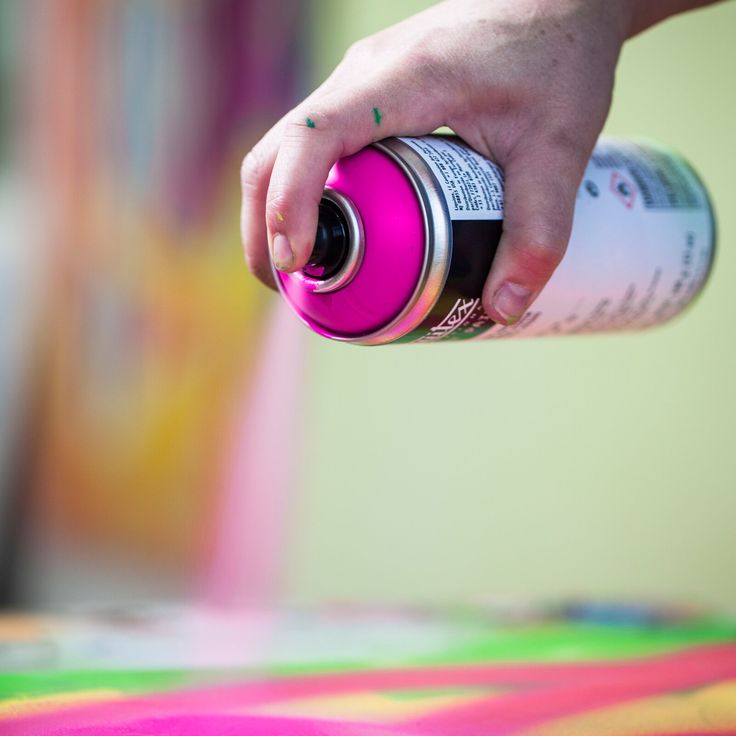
(168, 431)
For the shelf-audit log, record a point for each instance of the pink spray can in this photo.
(408, 229)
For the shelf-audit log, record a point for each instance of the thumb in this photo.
(540, 190)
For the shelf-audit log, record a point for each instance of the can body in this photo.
(426, 217)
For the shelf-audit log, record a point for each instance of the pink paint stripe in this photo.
(495, 716)
(624, 680)
(248, 541)
(232, 725)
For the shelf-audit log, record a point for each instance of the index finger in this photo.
(255, 174)
(314, 138)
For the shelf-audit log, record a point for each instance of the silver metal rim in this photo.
(437, 245)
(356, 247)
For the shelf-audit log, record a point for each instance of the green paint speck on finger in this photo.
(377, 115)
(311, 123)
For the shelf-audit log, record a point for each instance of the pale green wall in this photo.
(598, 465)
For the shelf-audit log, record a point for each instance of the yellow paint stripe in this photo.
(365, 706)
(48, 703)
(711, 710)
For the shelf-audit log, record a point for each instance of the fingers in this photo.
(314, 137)
(540, 190)
(254, 177)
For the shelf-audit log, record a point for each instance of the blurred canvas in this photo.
(141, 113)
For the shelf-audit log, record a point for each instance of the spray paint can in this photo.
(408, 229)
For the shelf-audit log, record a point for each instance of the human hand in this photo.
(527, 83)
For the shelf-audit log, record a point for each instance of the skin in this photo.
(527, 83)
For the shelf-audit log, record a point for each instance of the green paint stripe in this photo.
(536, 643)
(581, 643)
(38, 684)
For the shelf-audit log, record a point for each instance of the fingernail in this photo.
(281, 252)
(511, 301)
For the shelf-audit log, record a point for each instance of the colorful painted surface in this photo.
(140, 116)
(447, 675)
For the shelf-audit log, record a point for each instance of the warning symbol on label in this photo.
(623, 189)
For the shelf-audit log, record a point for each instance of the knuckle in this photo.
(422, 49)
(358, 50)
(301, 121)
(253, 170)
(565, 138)
(422, 58)
(566, 141)
(296, 121)
(277, 208)
(539, 254)
(427, 76)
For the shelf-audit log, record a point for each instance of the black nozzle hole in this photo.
(331, 243)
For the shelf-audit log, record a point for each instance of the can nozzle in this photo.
(330, 243)
(338, 244)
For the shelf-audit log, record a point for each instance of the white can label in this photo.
(472, 185)
(641, 245)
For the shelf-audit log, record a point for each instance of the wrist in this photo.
(645, 13)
